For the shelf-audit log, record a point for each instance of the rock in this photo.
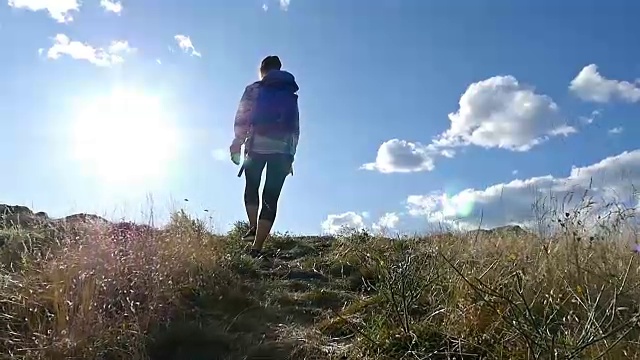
(14, 209)
(512, 229)
(305, 275)
(501, 230)
(16, 216)
(20, 220)
(86, 218)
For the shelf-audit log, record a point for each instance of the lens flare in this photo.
(458, 205)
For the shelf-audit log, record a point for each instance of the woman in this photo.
(267, 123)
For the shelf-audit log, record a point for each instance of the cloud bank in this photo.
(611, 179)
(498, 112)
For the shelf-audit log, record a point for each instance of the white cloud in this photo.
(82, 51)
(346, 221)
(402, 156)
(499, 112)
(590, 119)
(60, 10)
(448, 153)
(284, 4)
(564, 130)
(111, 6)
(616, 130)
(514, 172)
(590, 85)
(119, 47)
(611, 179)
(265, 7)
(388, 221)
(184, 42)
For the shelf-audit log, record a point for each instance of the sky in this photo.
(413, 113)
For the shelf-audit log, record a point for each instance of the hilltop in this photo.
(82, 287)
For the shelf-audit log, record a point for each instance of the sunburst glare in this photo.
(124, 137)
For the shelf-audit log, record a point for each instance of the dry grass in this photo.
(496, 298)
(105, 292)
(182, 292)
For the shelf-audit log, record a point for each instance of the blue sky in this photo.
(412, 112)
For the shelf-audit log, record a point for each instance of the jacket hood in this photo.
(282, 79)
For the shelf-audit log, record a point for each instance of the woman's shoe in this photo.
(250, 235)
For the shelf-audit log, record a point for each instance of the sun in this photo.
(124, 137)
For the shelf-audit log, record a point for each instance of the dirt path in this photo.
(289, 299)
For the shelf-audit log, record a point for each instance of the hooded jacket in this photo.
(274, 143)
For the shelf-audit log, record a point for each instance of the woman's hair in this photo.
(270, 63)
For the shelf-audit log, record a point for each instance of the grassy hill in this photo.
(84, 288)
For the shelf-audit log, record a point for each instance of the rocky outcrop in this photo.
(12, 216)
(17, 216)
(511, 230)
(14, 209)
(52, 231)
(86, 218)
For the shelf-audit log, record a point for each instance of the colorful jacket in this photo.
(267, 143)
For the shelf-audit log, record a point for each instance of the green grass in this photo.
(182, 292)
